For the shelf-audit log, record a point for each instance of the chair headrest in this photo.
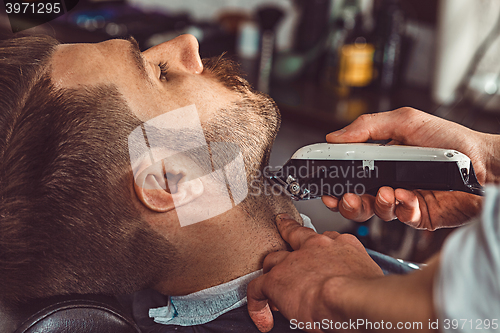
(67, 314)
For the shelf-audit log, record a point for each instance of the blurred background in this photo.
(325, 62)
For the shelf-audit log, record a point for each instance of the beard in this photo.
(252, 125)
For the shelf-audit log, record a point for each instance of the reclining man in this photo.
(108, 187)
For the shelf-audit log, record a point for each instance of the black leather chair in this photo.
(67, 314)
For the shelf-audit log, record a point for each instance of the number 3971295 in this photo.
(33, 8)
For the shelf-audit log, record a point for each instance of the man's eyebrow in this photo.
(136, 54)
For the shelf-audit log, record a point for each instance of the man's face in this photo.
(236, 115)
(226, 114)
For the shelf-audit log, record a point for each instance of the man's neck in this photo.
(235, 245)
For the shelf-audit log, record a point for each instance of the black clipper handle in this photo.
(308, 179)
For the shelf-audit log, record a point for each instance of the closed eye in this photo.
(163, 71)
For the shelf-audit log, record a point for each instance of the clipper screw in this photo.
(294, 188)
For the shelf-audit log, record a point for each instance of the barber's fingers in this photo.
(331, 202)
(388, 205)
(292, 232)
(394, 142)
(272, 306)
(274, 259)
(351, 206)
(357, 208)
(385, 204)
(381, 126)
(408, 207)
(258, 306)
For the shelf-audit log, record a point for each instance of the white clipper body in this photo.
(336, 169)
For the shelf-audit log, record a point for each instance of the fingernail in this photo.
(346, 206)
(339, 132)
(382, 200)
(283, 217)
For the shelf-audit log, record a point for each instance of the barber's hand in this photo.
(420, 209)
(300, 283)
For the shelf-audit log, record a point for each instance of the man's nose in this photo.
(181, 51)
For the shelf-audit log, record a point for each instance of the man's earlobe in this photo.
(160, 195)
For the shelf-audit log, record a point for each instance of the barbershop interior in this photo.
(325, 63)
(437, 56)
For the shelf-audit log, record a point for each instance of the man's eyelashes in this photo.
(163, 70)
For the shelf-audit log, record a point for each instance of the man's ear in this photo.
(161, 195)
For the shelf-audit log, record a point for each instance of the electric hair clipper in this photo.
(336, 169)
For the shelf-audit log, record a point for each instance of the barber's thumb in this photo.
(284, 221)
(346, 135)
(335, 136)
(283, 216)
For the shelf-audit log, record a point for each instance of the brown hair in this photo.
(67, 223)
